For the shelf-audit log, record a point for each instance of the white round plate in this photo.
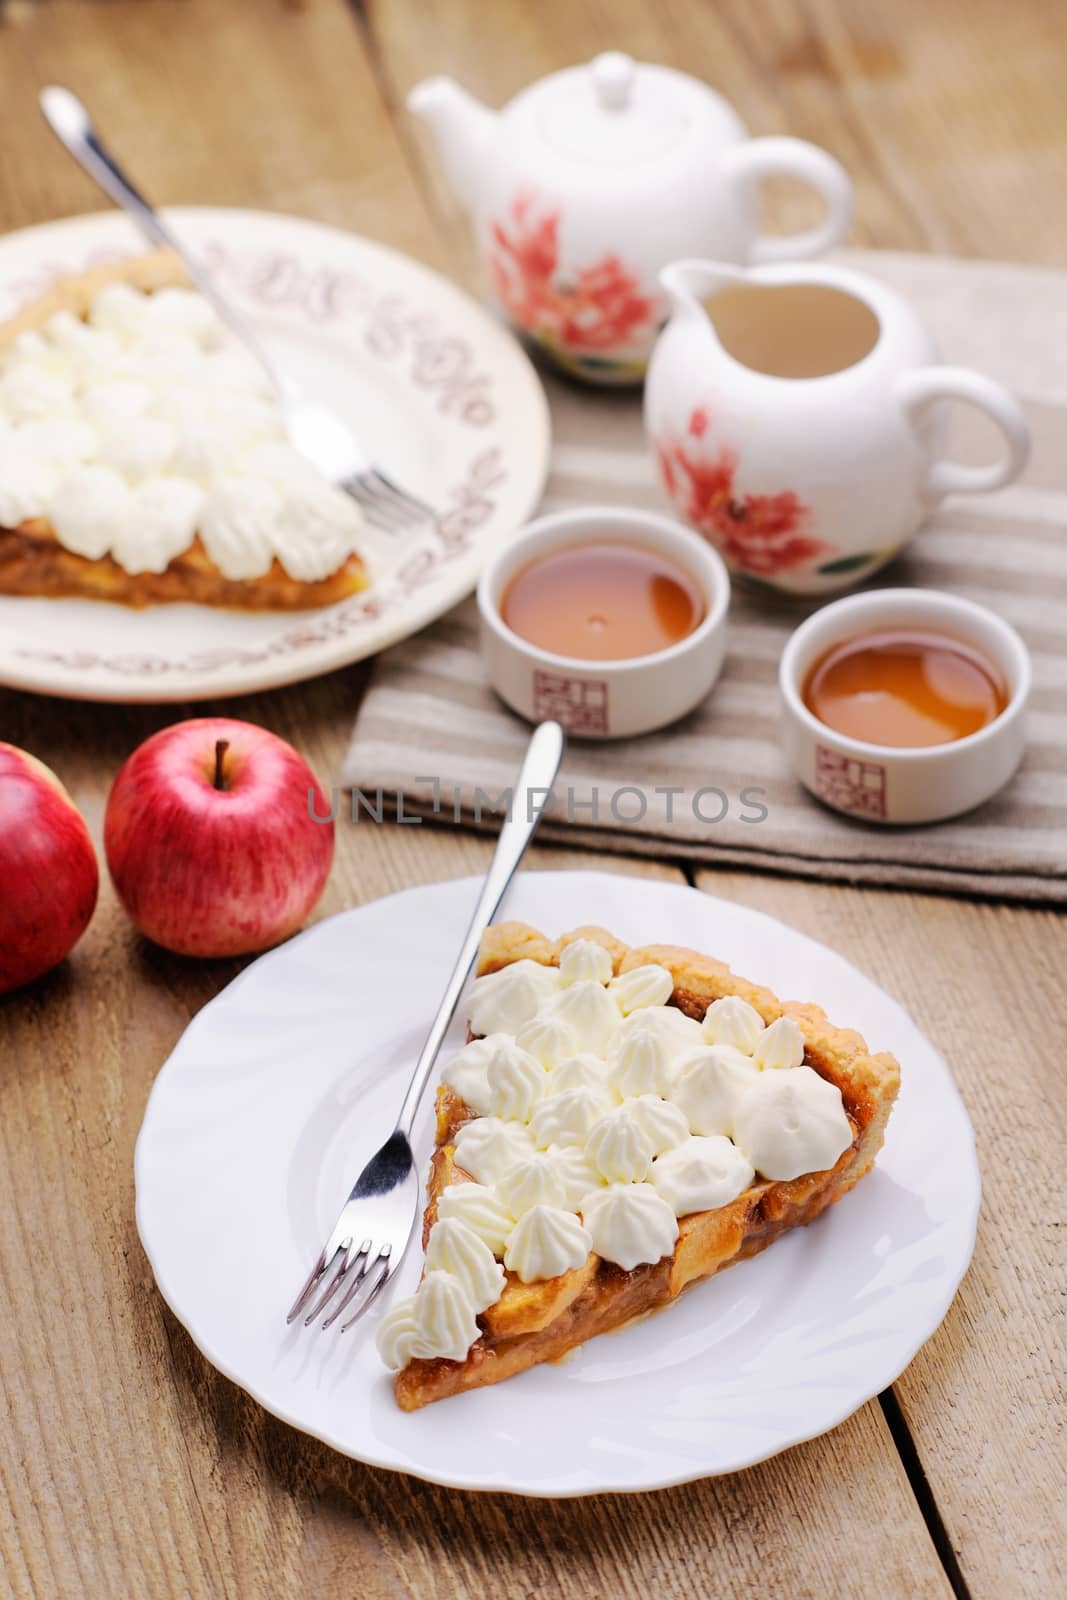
(439, 392)
(285, 1084)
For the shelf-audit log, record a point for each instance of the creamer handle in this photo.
(928, 386)
(747, 165)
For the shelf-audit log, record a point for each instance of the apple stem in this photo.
(221, 747)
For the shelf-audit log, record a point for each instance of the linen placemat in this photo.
(434, 740)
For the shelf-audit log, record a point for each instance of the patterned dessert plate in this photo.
(283, 1085)
(440, 395)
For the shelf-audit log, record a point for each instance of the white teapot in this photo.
(591, 180)
(798, 412)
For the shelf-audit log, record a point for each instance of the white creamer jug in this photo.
(797, 414)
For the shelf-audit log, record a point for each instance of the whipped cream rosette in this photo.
(641, 987)
(583, 1071)
(701, 1174)
(515, 1082)
(710, 1084)
(481, 1209)
(589, 1011)
(629, 1224)
(548, 1040)
(545, 1242)
(503, 1001)
(489, 1147)
(791, 1122)
(455, 1247)
(585, 961)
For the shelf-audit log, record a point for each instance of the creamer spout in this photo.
(689, 283)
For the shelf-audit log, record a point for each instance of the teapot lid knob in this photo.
(613, 76)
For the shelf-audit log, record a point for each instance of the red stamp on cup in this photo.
(580, 705)
(850, 784)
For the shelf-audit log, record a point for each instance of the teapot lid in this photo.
(614, 111)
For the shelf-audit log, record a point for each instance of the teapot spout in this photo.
(461, 127)
(689, 283)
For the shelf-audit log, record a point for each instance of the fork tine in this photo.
(380, 522)
(387, 503)
(379, 511)
(365, 1305)
(313, 1277)
(404, 495)
(348, 1259)
(376, 1287)
(363, 487)
(395, 504)
(352, 1289)
(374, 491)
(329, 1274)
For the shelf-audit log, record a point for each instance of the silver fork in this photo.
(313, 430)
(374, 1229)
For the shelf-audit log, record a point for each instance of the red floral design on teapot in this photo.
(590, 317)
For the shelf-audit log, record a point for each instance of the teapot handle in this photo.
(919, 390)
(746, 166)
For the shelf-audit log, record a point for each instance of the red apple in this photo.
(48, 873)
(211, 840)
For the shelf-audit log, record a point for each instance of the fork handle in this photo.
(72, 125)
(536, 777)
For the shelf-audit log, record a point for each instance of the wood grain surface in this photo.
(128, 1466)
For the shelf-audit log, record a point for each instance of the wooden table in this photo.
(130, 1467)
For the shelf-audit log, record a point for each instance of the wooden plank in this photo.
(983, 1399)
(949, 117)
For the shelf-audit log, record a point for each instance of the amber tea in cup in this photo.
(905, 688)
(603, 601)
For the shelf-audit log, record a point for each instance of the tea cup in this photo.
(605, 699)
(890, 784)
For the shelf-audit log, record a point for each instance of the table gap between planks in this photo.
(129, 1466)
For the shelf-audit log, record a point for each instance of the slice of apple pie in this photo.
(622, 1123)
(143, 456)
